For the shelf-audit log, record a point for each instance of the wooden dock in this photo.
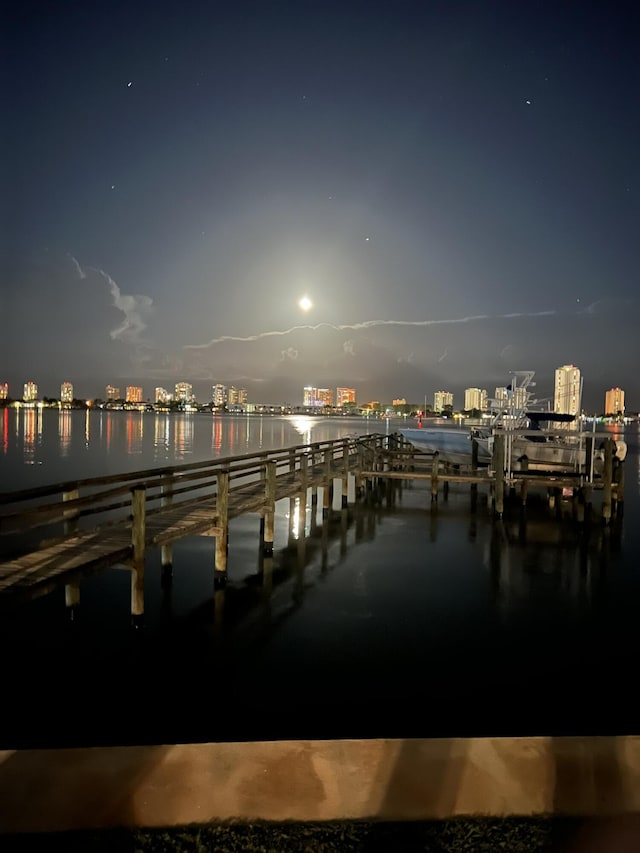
(93, 524)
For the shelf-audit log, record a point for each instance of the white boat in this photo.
(534, 440)
(452, 445)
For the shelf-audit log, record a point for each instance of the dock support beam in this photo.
(498, 467)
(327, 496)
(222, 514)
(269, 508)
(345, 473)
(302, 514)
(607, 478)
(71, 590)
(434, 478)
(138, 529)
(166, 551)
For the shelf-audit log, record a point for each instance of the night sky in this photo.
(454, 185)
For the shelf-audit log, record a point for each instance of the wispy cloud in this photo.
(80, 272)
(134, 307)
(289, 354)
(367, 324)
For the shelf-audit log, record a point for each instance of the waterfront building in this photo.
(501, 397)
(30, 392)
(567, 390)
(475, 398)
(183, 392)
(133, 394)
(309, 397)
(614, 402)
(233, 396)
(325, 396)
(345, 395)
(162, 395)
(242, 396)
(399, 401)
(66, 393)
(507, 397)
(4, 390)
(111, 393)
(442, 399)
(219, 395)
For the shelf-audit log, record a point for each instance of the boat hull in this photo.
(451, 445)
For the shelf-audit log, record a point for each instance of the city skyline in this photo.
(566, 396)
(457, 186)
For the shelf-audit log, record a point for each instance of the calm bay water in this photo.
(398, 621)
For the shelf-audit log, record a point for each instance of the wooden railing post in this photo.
(434, 477)
(345, 473)
(302, 520)
(498, 467)
(138, 532)
(327, 496)
(166, 551)
(618, 479)
(269, 508)
(71, 590)
(359, 470)
(222, 516)
(607, 479)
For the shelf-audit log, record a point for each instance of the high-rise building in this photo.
(112, 393)
(309, 396)
(475, 398)
(66, 392)
(567, 390)
(133, 394)
(219, 395)
(233, 396)
(317, 397)
(501, 397)
(345, 395)
(4, 390)
(242, 395)
(183, 392)
(442, 399)
(30, 392)
(162, 395)
(614, 402)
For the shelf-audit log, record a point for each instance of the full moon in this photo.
(305, 304)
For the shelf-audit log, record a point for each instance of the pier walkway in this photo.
(93, 524)
(154, 508)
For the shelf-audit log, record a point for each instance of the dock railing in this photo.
(54, 535)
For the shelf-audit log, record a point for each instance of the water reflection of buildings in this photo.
(5, 430)
(161, 436)
(64, 432)
(216, 435)
(31, 433)
(183, 435)
(135, 431)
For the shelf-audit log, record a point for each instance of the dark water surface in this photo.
(390, 621)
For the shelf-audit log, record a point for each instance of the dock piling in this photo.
(138, 530)
(222, 515)
(269, 508)
(71, 590)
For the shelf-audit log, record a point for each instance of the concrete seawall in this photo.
(418, 779)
